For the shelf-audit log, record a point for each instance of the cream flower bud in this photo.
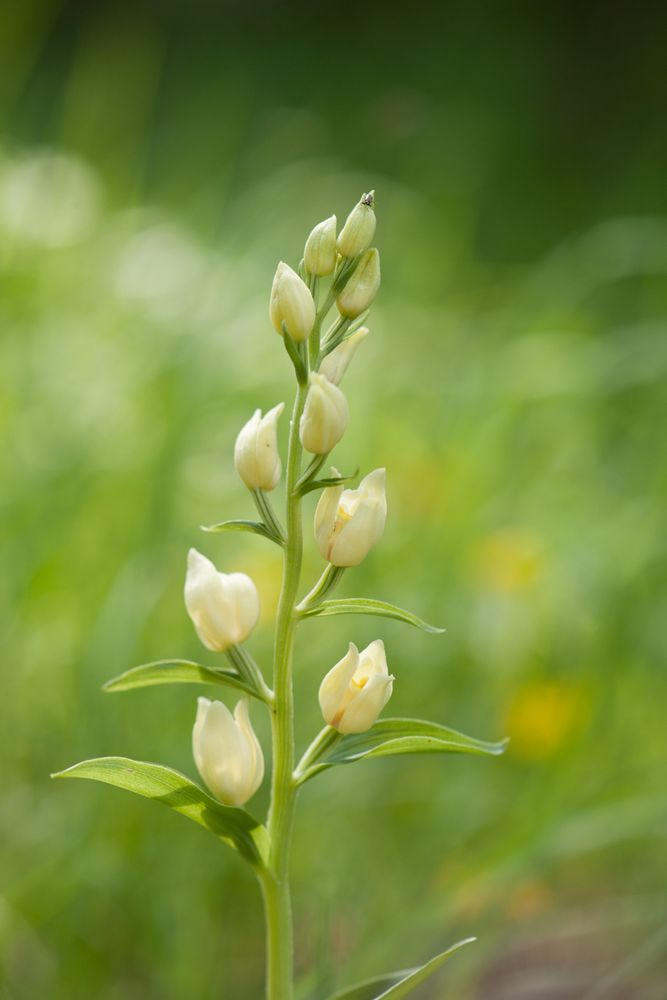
(325, 415)
(256, 454)
(291, 303)
(319, 254)
(227, 752)
(355, 691)
(335, 364)
(348, 523)
(359, 229)
(223, 607)
(362, 287)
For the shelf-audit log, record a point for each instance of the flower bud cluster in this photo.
(224, 608)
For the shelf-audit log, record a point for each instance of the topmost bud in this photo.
(359, 229)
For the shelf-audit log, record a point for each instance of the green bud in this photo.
(362, 287)
(359, 229)
(319, 254)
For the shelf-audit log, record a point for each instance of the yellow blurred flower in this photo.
(507, 560)
(542, 717)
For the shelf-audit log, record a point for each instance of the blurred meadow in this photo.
(156, 161)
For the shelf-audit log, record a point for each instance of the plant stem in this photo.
(324, 586)
(275, 879)
(325, 740)
(266, 513)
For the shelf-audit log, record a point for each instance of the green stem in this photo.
(265, 509)
(275, 880)
(325, 739)
(243, 662)
(324, 585)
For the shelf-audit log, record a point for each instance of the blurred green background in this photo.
(156, 160)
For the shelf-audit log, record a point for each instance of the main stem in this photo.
(275, 880)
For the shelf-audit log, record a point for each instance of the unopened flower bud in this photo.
(335, 364)
(348, 523)
(325, 415)
(319, 254)
(355, 691)
(227, 752)
(291, 303)
(362, 287)
(256, 455)
(359, 229)
(223, 607)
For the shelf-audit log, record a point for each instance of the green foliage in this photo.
(396, 985)
(162, 784)
(368, 606)
(254, 527)
(392, 737)
(177, 672)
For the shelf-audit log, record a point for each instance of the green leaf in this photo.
(255, 527)
(367, 606)
(296, 357)
(392, 737)
(176, 672)
(395, 985)
(323, 484)
(153, 781)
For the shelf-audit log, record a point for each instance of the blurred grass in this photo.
(155, 163)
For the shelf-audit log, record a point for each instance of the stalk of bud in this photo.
(256, 455)
(291, 303)
(223, 607)
(319, 254)
(359, 229)
(336, 364)
(362, 287)
(226, 751)
(324, 417)
(348, 523)
(355, 691)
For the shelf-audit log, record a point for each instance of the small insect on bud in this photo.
(226, 751)
(291, 303)
(223, 607)
(319, 254)
(362, 287)
(355, 691)
(325, 415)
(256, 455)
(348, 523)
(359, 229)
(335, 364)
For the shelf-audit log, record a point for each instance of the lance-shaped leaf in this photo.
(367, 606)
(162, 784)
(254, 527)
(395, 985)
(322, 484)
(392, 737)
(177, 672)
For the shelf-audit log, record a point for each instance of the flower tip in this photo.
(194, 558)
